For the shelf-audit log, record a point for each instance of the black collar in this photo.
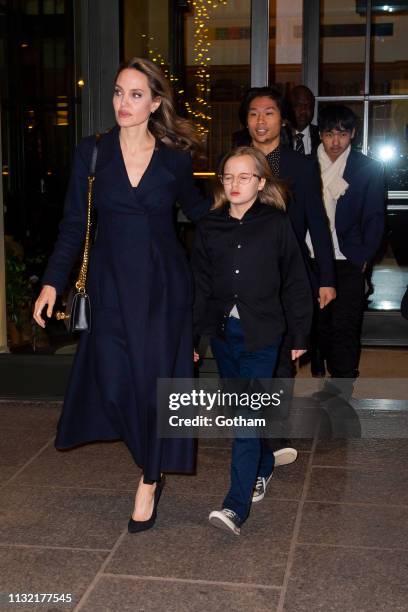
(256, 208)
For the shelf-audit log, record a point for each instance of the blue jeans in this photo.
(250, 458)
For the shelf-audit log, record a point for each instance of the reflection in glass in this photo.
(390, 49)
(209, 72)
(388, 140)
(389, 277)
(227, 70)
(38, 131)
(285, 43)
(342, 48)
(145, 27)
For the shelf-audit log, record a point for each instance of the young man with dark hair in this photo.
(354, 198)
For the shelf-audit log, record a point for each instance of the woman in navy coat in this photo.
(139, 280)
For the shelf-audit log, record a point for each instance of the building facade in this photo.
(58, 59)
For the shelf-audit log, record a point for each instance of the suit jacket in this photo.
(314, 138)
(306, 210)
(360, 212)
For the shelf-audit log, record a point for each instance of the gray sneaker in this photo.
(260, 488)
(226, 519)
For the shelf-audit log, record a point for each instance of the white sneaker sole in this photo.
(285, 456)
(219, 520)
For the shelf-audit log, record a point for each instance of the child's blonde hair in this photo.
(274, 192)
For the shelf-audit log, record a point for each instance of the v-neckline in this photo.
(135, 187)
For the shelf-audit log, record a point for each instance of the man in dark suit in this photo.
(263, 114)
(307, 137)
(354, 198)
(306, 141)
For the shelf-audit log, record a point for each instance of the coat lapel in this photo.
(351, 167)
(111, 166)
(111, 170)
(157, 175)
(343, 203)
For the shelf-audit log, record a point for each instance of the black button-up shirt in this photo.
(255, 263)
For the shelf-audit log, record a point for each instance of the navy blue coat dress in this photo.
(140, 288)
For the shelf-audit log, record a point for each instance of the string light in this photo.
(200, 109)
(156, 57)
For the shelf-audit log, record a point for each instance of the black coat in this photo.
(256, 264)
(306, 210)
(360, 212)
(314, 138)
(141, 295)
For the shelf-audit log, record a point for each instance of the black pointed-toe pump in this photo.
(137, 526)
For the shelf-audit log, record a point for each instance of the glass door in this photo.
(363, 62)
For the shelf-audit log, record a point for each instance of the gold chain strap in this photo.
(81, 282)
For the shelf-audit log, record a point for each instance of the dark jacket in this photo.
(360, 212)
(314, 138)
(256, 264)
(306, 210)
(168, 179)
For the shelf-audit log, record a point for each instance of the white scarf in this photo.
(334, 185)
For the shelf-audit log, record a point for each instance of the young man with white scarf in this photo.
(354, 199)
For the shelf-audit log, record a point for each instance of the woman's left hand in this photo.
(196, 357)
(296, 353)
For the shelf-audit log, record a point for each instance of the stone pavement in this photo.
(330, 535)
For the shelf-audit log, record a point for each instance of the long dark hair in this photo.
(164, 123)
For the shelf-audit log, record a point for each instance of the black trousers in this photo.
(286, 371)
(285, 380)
(339, 324)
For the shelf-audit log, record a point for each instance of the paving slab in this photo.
(106, 465)
(42, 570)
(18, 447)
(184, 545)
(83, 518)
(380, 454)
(359, 485)
(347, 580)
(355, 525)
(112, 594)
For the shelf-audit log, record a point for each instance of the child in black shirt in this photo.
(250, 286)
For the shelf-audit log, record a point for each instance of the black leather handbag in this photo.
(78, 309)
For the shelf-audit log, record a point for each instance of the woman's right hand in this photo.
(47, 298)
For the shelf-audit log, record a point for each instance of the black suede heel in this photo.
(137, 526)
